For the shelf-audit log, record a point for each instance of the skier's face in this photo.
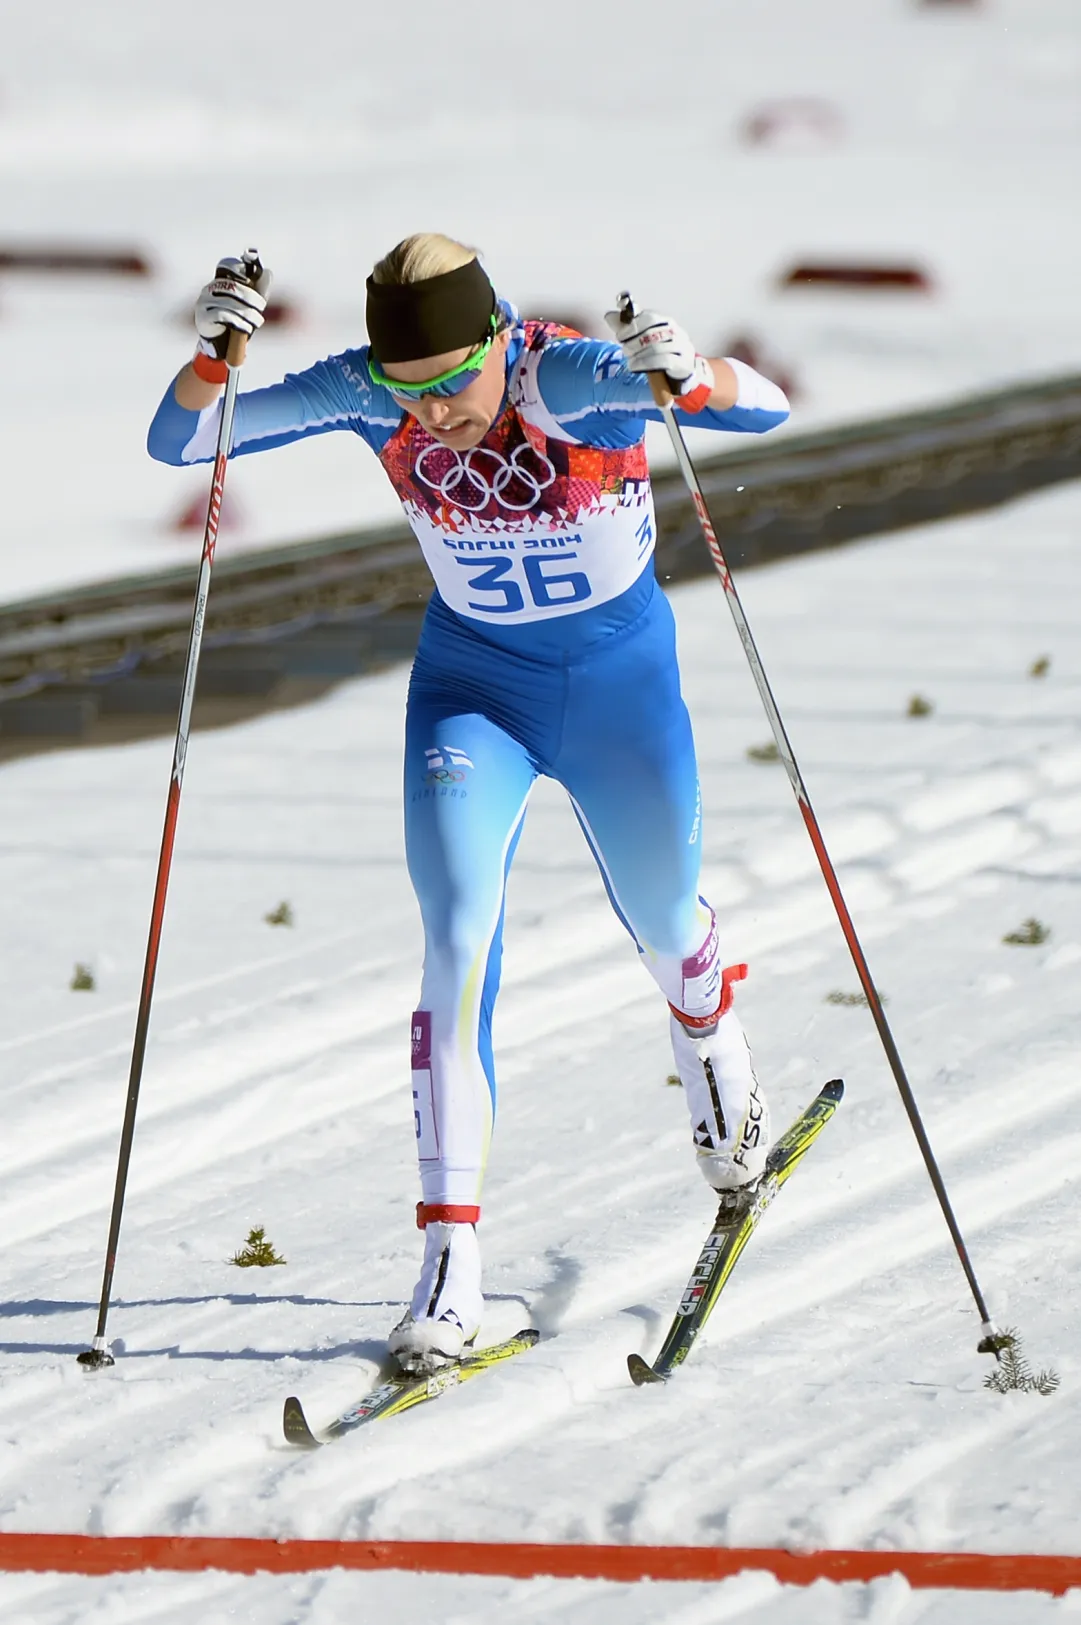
(462, 420)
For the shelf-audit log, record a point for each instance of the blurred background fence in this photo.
(105, 661)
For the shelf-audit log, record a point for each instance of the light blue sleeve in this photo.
(334, 394)
(590, 392)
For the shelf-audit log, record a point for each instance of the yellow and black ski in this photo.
(401, 1391)
(732, 1230)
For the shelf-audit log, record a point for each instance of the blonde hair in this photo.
(416, 258)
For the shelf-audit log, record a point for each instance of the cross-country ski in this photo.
(733, 1228)
(401, 1391)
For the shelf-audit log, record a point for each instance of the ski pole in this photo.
(992, 1341)
(98, 1355)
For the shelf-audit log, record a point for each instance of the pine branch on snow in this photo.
(1013, 1374)
(1029, 934)
(257, 1250)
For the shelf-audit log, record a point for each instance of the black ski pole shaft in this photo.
(991, 1340)
(98, 1355)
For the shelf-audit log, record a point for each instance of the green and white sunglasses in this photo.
(448, 383)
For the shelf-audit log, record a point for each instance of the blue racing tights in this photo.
(607, 721)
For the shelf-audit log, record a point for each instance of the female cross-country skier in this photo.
(516, 448)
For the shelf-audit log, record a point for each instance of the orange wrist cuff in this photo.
(209, 368)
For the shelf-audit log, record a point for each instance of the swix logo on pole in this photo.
(711, 539)
(217, 491)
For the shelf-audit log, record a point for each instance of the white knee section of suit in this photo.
(692, 983)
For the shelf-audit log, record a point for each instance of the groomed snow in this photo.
(584, 149)
(837, 1397)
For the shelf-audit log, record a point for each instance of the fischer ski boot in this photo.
(445, 1314)
(729, 1114)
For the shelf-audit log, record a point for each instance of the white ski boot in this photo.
(729, 1115)
(445, 1314)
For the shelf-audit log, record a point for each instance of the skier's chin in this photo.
(463, 436)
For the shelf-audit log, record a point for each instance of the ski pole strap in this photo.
(445, 1213)
(730, 974)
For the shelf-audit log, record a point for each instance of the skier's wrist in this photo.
(693, 392)
(193, 393)
(208, 366)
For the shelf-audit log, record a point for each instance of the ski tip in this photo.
(295, 1424)
(528, 1335)
(834, 1089)
(641, 1372)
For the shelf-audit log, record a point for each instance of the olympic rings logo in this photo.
(462, 480)
(445, 775)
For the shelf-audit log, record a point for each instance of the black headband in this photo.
(452, 311)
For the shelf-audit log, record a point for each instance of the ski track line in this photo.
(986, 1126)
(577, 1377)
(673, 1486)
(25, 1387)
(350, 1020)
(40, 1212)
(891, 1242)
(969, 796)
(167, 995)
(597, 1386)
(669, 1505)
(961, 853)
(822, 1200)
(965, 1133)
(495, 1418)
(77, 1423)
(291, 1047)
(204, 1025)
(853, 1515)
(921, 812)
(170, 1496)
(894, 1242)
(325, 1099)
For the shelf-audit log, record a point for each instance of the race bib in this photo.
(529, 570)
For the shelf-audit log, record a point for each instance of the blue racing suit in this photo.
(548, 647)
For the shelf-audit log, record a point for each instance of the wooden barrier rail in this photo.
(279, 609)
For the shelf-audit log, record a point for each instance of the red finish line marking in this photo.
(117, 1554)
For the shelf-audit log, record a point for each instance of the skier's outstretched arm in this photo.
(599, 393)
(709, 385)
(332, 394)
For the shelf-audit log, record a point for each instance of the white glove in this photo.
(233, 302)
(654, 343)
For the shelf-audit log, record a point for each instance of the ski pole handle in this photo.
(658, 381)
(662, 395)
(238, 348)
(238, 341)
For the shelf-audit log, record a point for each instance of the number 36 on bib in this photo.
(509, 584)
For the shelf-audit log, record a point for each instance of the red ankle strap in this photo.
(731, 973)
(445, 1213)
